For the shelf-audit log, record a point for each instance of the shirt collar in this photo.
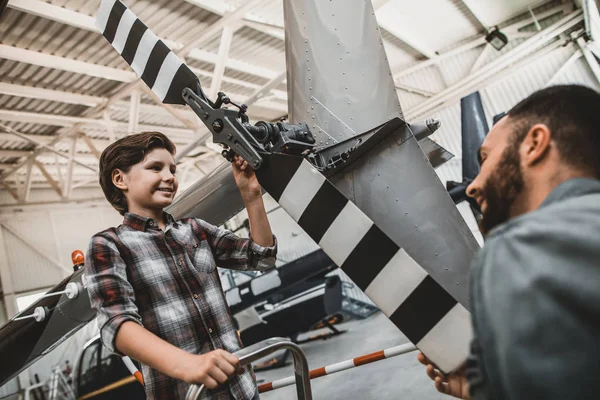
(570, 188)
(143, 223)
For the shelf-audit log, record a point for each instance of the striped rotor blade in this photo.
(421, 308)
(163, 72)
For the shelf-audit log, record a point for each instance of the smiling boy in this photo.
(153, 280)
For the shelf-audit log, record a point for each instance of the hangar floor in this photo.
(401, 377)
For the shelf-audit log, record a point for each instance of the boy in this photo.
(153, 280)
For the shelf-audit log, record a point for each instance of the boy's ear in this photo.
(118, 179)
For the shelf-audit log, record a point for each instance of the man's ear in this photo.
(536, 144)
(118, 179)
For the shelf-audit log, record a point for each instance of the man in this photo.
(535, 286)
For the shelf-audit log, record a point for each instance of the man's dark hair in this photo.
(123, 154)
(572, 113)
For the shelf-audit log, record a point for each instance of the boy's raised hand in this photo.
(245, 178)
(211, 369)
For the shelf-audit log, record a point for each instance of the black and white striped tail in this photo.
(422, 309)
(163, 72)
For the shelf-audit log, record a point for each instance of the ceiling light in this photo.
(496, 38)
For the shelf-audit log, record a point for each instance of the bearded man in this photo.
(535, 285)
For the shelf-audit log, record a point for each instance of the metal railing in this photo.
(59, 387)
(262, 349)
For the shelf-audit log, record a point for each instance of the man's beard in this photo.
(502, 189)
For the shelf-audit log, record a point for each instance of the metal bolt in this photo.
(217, 125)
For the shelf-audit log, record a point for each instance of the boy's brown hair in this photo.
(123, 154)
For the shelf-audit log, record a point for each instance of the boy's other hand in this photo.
(245, 178)
(454, 384)
(211, 369)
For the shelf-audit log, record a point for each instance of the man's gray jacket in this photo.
(535, 290)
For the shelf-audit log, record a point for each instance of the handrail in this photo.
(259, 350)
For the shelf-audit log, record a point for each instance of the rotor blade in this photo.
(421, 308)
(24, 339)
(150, 58)
(338, 73)
(473, 130)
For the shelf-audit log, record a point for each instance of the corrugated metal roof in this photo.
(255, 55)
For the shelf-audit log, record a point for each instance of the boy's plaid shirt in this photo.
(168, 283)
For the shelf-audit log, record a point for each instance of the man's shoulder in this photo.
(555, 220)
(545, 243)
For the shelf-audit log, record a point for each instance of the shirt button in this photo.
(209, 330)
(195, 296)
(179, 262)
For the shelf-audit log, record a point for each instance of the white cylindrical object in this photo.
(290, 380)
(130, 365)
(72, 290)
(398, 350)
(39, 314)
